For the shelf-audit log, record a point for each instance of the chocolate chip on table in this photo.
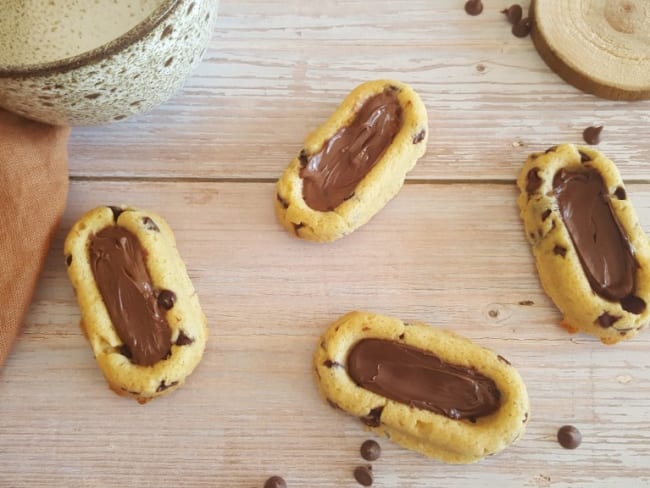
(522, 28)
(473, 7)
(513, 13)
(591, 134)
(370, 450)
(569, 437)
(275, 482)
(166, 299)
(363, 475)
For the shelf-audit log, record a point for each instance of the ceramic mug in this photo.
(90, 63)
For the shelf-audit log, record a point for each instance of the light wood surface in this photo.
(448, 250)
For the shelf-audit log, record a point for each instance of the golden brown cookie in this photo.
(353, 164)
(139, 309)
(592, 256)
(425, 388)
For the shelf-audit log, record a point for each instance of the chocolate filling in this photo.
(420, 379)
(117, 260)
(332, 174)
(602, 245)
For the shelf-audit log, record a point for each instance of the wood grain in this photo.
(449, 250)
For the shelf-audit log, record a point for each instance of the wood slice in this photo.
(599, 46)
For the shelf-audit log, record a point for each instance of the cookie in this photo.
(426, 389)
(592, 256)
(353, 164)
(139, 310)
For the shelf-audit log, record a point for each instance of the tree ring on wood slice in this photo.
(599, 46)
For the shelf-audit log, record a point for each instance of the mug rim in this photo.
(139, 31)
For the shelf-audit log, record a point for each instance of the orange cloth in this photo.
(33, 192)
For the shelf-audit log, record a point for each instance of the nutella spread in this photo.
(331, 175)
(420, 379)
(602, 245)
(118, 263)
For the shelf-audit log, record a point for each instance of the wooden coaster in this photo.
(599, 46)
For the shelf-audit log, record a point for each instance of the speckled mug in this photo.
(129, 75)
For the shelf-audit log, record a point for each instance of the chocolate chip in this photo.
(591, 134)
(370, 450)
(401, 337)
(275, 482)
(569, 437)
(525, 418)
(527, 302)
(150, 224)
(501, 358)
(282, 201)
(533, 181)
(68, 259)
(304, 158)
(166, 299)
(522, 28)
(116, 212)
(513, 13)
(559, 251)
(163, 386)
(419, 137)
(633, 304)
(620, 193)
(373, 418)
(183, 340)
(333, 404)
(584, 157)
(125, 351)
(297, 227)
(363, 475)
(546, 214)
(605, 320)
(332, 364)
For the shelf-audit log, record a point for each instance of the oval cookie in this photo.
(139, 310)
(352, 165)
(592, 256)
(425, 388)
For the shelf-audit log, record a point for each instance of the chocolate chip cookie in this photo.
(352, 165)
(139, 310)
(592, 255)
(425, 388)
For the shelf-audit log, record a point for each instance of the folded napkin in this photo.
(33, 192)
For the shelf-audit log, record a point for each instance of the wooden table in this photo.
(449, 250)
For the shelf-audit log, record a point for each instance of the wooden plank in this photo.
(270, 76)
(452, 255)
